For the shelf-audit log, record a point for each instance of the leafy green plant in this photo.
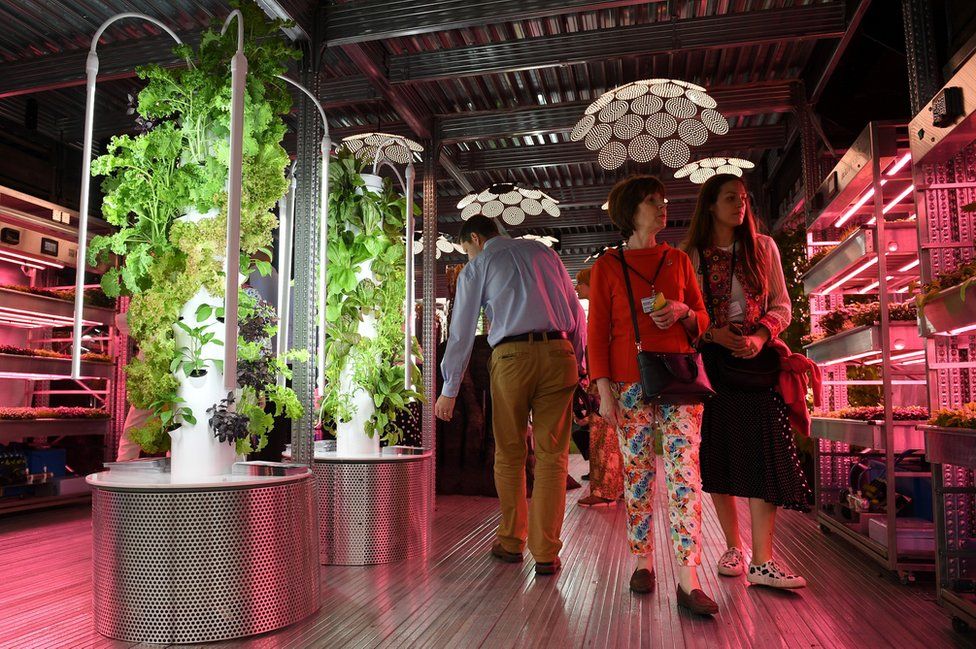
(792, 250)
(180, 162)
(962, 417)
(847, 316)
(366, 227)
(961, 276)
(191, 359)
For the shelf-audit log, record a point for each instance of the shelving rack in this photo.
(864, 214)
(945, 181)
(38, 249)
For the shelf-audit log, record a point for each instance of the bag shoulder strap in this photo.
(630, 291)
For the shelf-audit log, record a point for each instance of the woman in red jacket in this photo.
(637, 206)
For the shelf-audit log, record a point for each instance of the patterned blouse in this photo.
(770, 308)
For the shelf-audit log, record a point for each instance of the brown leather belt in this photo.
(534, 336)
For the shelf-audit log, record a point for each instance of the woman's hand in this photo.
(747, 346)
(668, 314)
(609, 408)
(725, 337)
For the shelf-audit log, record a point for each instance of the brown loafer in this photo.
(501, 553)
(548, 568)
(697, 602)
(642, 581)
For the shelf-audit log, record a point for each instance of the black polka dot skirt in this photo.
(748, 450)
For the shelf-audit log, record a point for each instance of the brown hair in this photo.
(583, 277)
(702, 229)
(627, 195)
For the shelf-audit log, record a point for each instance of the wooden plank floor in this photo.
(461, 598)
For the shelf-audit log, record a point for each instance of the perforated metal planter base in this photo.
(202, 563)
(373, 510)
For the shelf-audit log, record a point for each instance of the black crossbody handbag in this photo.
(667, 377)
(761, 372)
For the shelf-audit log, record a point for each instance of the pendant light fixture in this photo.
(443, 245)
(510, 201)
(701, 170)
(647, 119)
(395, 148)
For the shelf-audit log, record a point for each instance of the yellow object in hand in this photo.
(659, 301)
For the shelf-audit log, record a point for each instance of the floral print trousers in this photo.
(680, 428)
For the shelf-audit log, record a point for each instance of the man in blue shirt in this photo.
(537, 333)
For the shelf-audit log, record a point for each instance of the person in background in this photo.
(747, 446)
(638, 207)
(135, 417)
(538, 336)
(606, 464)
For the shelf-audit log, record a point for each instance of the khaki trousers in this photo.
(537, 377)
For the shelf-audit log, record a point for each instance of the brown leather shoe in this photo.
(548, 568)
(499, 552)
(642, 581)
(697, 602)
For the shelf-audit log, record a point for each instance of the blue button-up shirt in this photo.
(523, 287)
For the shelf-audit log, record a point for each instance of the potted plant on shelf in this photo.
(365, 388)
(961, 417)
(165, 191)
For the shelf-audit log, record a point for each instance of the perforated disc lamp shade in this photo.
(653, 118)
(701, 170)
(443, 245)
(508, 201)
(396, 148)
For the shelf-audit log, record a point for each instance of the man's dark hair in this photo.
(479, 224)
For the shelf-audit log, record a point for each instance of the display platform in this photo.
(196, 562)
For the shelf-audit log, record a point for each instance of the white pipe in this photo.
(91, 69)
(408, 315)
(238, 75)
(322, 292)
(286, 219)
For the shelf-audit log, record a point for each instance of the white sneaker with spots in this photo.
(773, 575)
(732, 563)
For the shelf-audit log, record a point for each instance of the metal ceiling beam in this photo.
(692, 34)
(369, 20)
(749, 138)
(116, 61)
(405, 102)
(747, 99)
(821, 65)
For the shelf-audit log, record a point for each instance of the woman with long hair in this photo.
(747, 447)
(639, 209)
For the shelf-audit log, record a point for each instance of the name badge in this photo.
(735, 310)
(647, 303)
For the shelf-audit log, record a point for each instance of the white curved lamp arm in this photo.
(323, 233)
(238, 78)
(91, 69)
(286, 221)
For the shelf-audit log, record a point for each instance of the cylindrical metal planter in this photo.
(203, 562)
(373, 510)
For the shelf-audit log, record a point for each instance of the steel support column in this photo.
(429, 425)
(809, 158)
(924, 78)
(306, 266)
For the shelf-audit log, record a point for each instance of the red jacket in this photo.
(793, 385)
(612, 349)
